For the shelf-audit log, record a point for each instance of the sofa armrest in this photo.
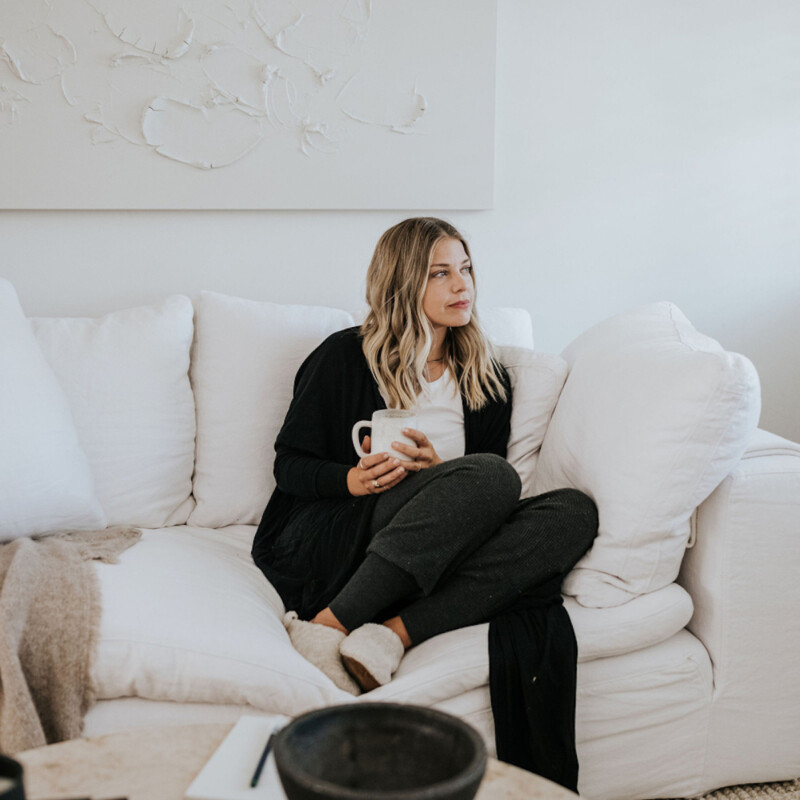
(743, 574)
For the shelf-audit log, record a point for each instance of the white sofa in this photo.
(163, 417)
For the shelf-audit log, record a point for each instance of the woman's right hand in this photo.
(374, 474)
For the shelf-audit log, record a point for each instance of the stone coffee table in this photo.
(161, 763)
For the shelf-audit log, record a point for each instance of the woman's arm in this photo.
(307, 463)
(314, 456)
(309, 476)
(372, 475)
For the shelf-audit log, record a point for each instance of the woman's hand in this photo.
(375, 473)
(422, 453)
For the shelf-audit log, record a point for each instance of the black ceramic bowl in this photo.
(11, 779)
(386, 751)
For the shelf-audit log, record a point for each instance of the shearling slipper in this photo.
(319, 644)
(371, 654)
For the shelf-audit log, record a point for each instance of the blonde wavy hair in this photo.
(397, 336)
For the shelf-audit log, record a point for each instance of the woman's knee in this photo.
(580, 513)
(496, 476)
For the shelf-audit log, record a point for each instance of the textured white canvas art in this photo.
(247, 103)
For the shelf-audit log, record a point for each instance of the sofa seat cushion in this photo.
(188, 617)
(642, 622)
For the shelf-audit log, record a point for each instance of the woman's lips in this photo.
(462, 304)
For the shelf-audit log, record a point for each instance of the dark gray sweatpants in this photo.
(471, 546)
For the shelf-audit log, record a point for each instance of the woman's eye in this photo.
(466, 269)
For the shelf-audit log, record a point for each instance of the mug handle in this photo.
(364, 423)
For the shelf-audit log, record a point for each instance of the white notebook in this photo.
(228, 773)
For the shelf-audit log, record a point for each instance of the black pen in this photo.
(262, 760)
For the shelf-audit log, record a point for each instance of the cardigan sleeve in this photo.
(306, 463)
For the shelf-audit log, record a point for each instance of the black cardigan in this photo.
(314, 534)
(333, 390)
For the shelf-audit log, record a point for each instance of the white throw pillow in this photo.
(652, 417)
(205, 627)
(243, 367)
(536, 383)
(45, 480)
(126, 376)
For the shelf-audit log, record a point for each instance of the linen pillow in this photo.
(536, 383)
(243, 367)
(45, 481)
(126, 376)
(206, 627)
(652, 417)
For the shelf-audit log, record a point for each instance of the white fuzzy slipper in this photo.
(319, 644)
(371, 654)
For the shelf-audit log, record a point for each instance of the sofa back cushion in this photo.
(652, 417)
(536, 383)
(508, 326)
(45, 481)
(126, 376)
(244, 362)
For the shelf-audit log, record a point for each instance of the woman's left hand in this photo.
(422, 453)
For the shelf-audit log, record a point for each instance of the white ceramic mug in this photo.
(386, 426)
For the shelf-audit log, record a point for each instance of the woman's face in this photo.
(449, 293)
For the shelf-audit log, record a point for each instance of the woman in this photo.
(375, 555)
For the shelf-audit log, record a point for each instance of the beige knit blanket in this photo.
(49, 623)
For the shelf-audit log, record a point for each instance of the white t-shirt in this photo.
(440, 416)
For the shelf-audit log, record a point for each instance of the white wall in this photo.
(645, 150)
